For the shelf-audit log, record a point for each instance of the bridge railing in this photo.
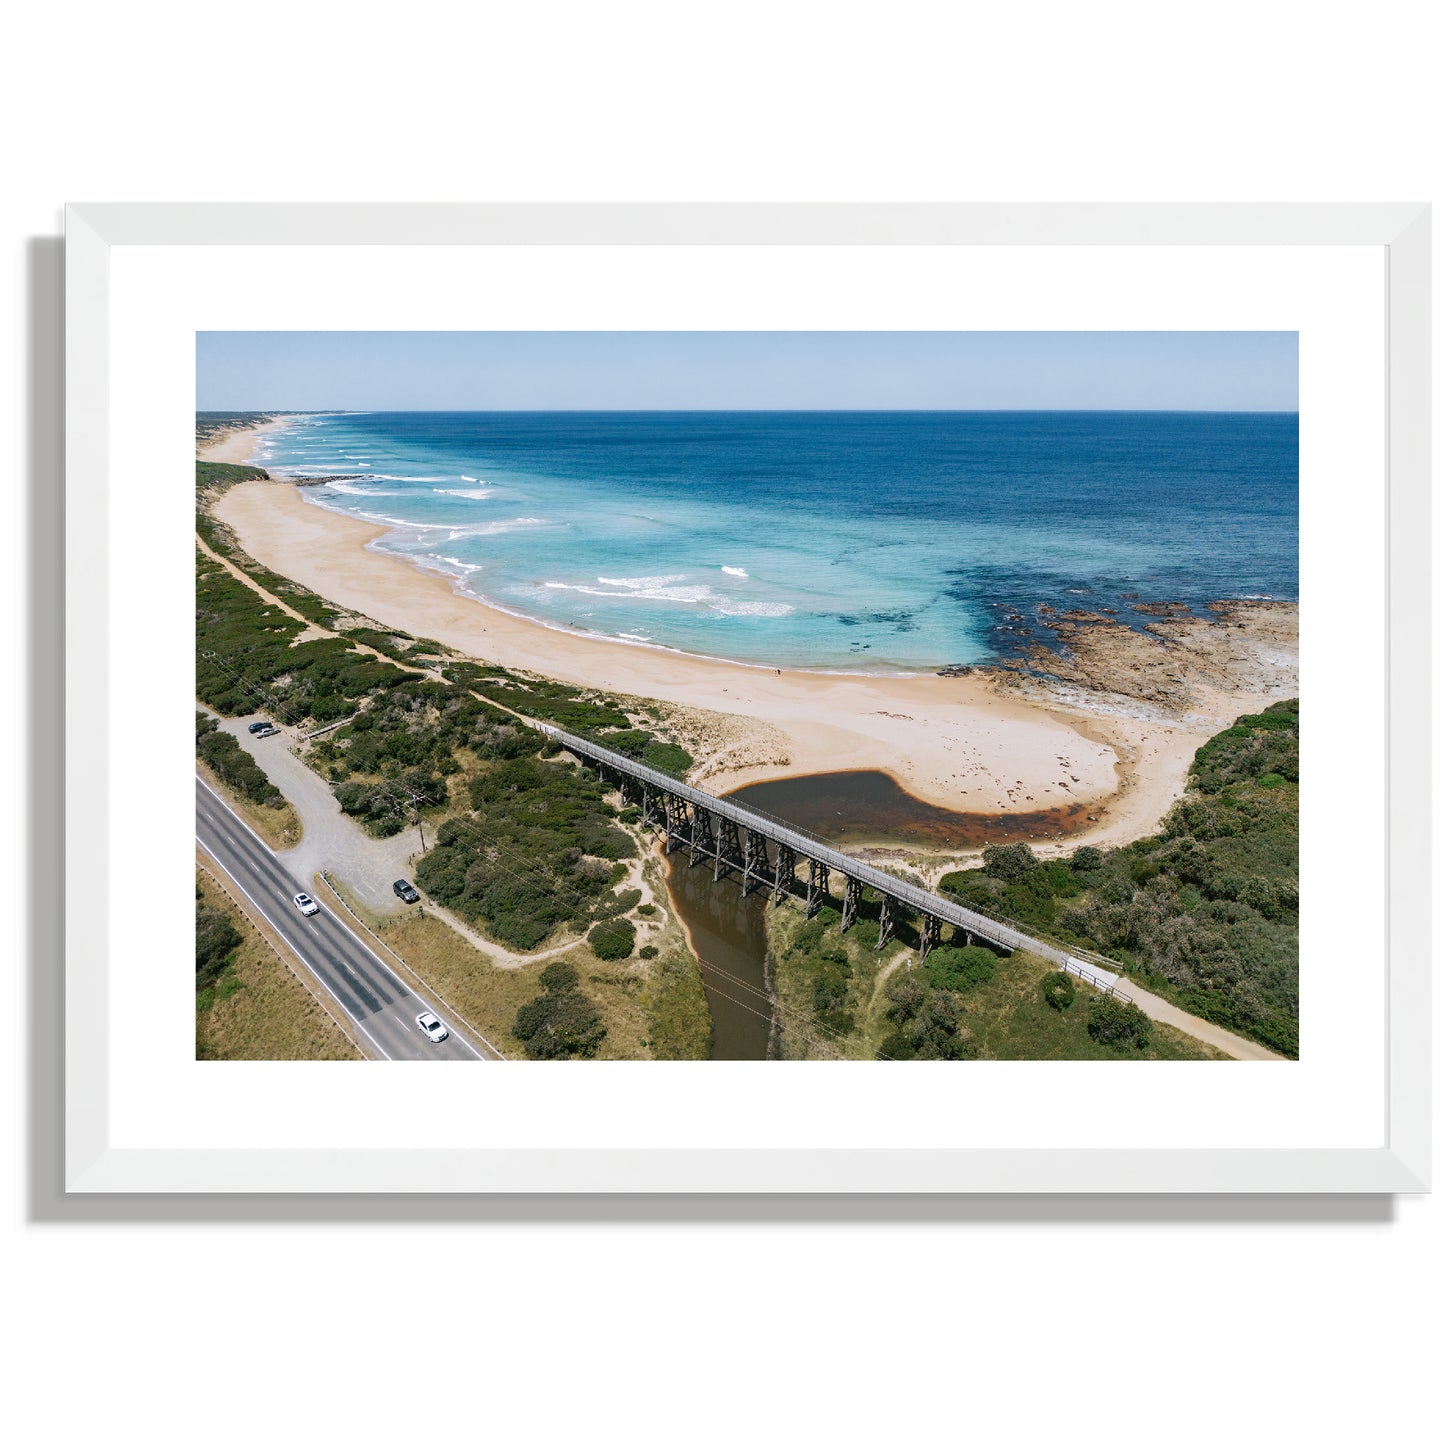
(998, 931)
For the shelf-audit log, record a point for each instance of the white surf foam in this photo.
(752, 609)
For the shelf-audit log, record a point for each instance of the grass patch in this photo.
(257, 1008)
(489, 997)
(824, 981)
(1010, 1018)
(681, 1022)
(830, 984)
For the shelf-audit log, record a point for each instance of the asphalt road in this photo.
(383, 1007)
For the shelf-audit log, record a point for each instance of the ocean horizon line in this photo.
(748, 411)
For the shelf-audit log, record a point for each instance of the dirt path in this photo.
(1164, 1012)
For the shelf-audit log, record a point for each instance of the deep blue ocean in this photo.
(873, 541)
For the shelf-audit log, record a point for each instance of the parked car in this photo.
(257, 727)
(405, 891)
(432, 1027)
(307, 904)
(269, 731)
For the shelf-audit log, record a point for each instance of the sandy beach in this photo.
(976, 744)
(952, 741)
(236, 446)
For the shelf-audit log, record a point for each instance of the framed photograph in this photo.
(709, 655)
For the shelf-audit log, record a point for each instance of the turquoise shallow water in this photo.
(871, 541)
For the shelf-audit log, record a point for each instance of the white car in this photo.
(307, 904)
(268, 731)
(432, 1027)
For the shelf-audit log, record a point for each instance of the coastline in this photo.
(236, 446)
(976, 744)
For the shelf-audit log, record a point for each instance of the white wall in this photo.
(1318, 1321)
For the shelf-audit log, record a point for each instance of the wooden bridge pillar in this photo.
(729, 849)
(676, 821)
(929, 935)
(783, 871)
(700, 841)
(852, 897)
(886, 920)
(817, 886)
(755, 860)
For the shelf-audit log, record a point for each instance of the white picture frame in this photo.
(94, 1163)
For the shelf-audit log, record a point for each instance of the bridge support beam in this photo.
(729, 849)
(783, 870)
(755, 860)
(700, 841)
(676, 822)
(852, 897)
(930, 934)
(886, 920)
(817, 886)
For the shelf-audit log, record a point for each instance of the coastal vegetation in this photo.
(231, 771)
(660, 1012)
(233, 765)
(211, 426)
(538, 850)
(561, 1022)
(528, 847)
(249, 1005)
(217, 940)
(1205, 912)
(840, 997)
(213, 478)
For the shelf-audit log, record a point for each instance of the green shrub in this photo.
(972, 887)
(1058, 991)
(668, 758)
(647, 950)
(959, 968)
(1010, 862)
(216, 941)
(233, 765)
(1118, 1025)
(613, 939)
(560, 1026)
(558, 977)
(932, 1030)
(1086, 859)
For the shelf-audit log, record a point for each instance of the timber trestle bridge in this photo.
(763, 852)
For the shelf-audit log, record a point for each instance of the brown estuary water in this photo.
(854, 809)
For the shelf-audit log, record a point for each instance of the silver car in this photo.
(307, 904)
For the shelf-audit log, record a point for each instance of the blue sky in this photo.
(746, 370)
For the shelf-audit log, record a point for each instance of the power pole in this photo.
(416, 801)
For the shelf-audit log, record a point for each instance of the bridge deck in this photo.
(807, 845)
